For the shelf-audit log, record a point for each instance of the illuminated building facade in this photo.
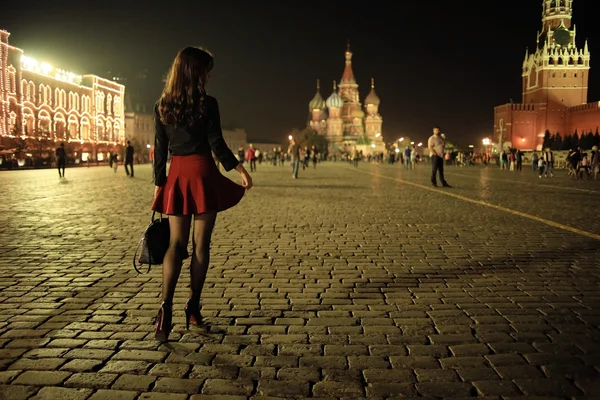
(555, 86)
(42, 106)
(341, 118)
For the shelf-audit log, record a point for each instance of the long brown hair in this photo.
(183, 100)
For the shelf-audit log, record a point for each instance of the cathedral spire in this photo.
(348, 75)
(556, 13)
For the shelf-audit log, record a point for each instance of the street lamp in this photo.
(290, 137)
(420, 144)
(148, 146)
(401, 139)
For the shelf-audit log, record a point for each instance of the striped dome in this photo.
(334, 101)
(317, 103)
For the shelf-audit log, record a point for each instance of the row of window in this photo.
(104, 103)
(61, 129)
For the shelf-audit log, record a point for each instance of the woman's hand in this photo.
(156, 189)
(246, 178)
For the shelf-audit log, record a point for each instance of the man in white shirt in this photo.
(437, 145)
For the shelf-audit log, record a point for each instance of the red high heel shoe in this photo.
(163, 322)
(192, 314)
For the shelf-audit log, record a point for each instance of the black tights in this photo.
(180, 232)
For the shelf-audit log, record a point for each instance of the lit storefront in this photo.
(42, 106)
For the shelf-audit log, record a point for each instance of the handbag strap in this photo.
(135, 258)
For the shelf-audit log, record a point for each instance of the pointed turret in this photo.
(348, 75)
(372, 96)
(586, 50)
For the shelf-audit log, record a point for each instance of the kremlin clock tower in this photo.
(555, 86)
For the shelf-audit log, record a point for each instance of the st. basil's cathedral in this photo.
(341, 118)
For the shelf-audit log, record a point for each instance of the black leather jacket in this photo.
(202, 138)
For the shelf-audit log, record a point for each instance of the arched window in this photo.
(49, 92)
(85, 128)
(109, 104)
(28, 121)
(571, 61)
(560, 61)
(12, 83)
(116, 131)
(551, 61)
(73, 127)
(44, 124)
(117, 106)
(31, 88)
(60, 127)
(100, 102)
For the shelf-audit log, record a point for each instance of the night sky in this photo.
(434, 62)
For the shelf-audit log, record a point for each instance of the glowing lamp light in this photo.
(420, 144)
(148, 146)
(471, 146)
(412, 142)
(290, 137)
(487, 142)
(397, 150)
(401, 139)
(379, 134)
(373, 145)
(522, 139)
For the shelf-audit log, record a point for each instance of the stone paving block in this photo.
(91, 380)
(299, 374)
(496, 388)
(53, 393)
(7, 376)
(176, 385)
(388, 375)
(445, 389)
(44, 364)
(42, 378)
(337, 389)
(139, 383)
(285, 389)
(230, 387)
(388, 389)
(170, 370)
(17, 392)
(547, 387)
(120, 367)
(114, 395)
(162, 396)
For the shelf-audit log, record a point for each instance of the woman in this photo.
(187, 124)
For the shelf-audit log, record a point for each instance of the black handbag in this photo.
(154, 243)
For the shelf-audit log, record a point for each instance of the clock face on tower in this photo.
(562, 36)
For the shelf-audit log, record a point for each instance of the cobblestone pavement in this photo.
(346, 283)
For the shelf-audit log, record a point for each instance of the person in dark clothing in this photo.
(437, 148)
(519, 157)
(129, 159)
(61, 160)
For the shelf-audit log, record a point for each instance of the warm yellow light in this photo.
(148, 145)
(522, 139)
(379, 134)
(397, 150)
(373, 145)
(401, 139)
(420, 144)
(290, 137)
(471, 146)
(487, 141)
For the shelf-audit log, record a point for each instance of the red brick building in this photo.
(555, 86)
(41, 106)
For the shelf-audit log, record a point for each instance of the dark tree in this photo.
(575, 140)
(596, 139)
(548, 139)
(588, 140)
(556, 142)
(567, 143)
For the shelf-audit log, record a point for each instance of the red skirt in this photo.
(196, 186)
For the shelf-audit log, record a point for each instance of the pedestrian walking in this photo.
(294, 152)
(188, 126)
(251, 157)
(129, 159)
(61, 160)
(437, 146)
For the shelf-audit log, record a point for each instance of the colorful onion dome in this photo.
(334, 101)
(317, 103)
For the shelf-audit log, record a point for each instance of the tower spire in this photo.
(334, 85)
(372, 83)
(318, 84)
